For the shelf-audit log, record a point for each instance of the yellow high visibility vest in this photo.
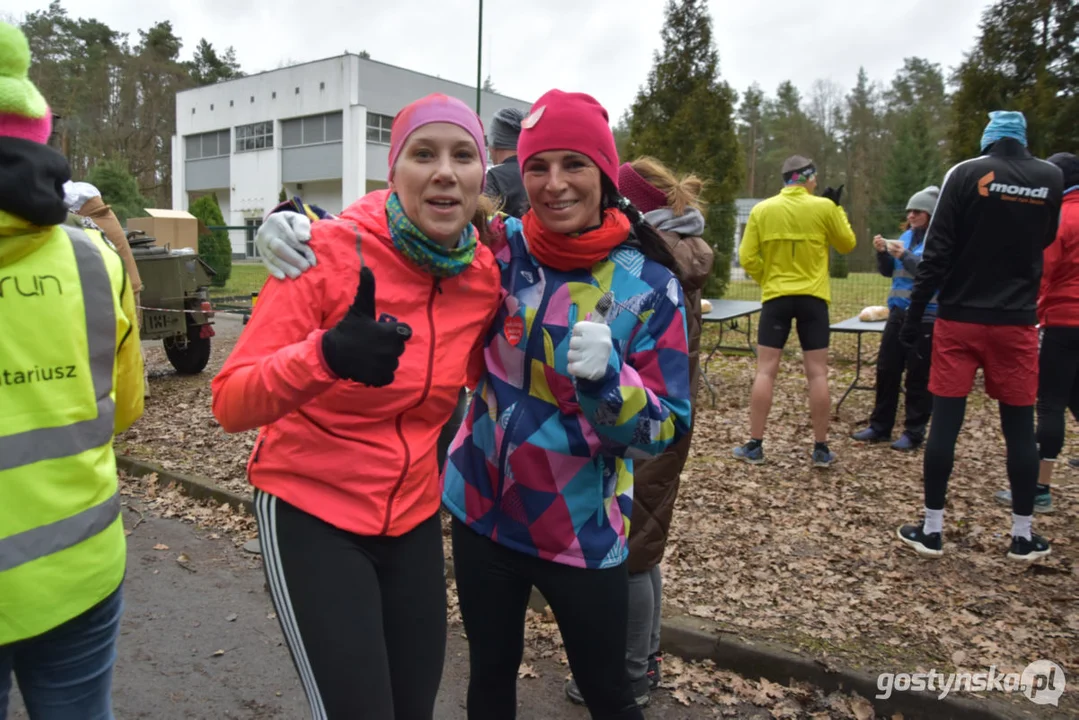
(62, 545)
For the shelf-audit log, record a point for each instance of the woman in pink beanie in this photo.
(350, 372)
(585, 370)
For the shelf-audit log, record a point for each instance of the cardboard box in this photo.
(175, 229)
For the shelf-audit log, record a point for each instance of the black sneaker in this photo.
(1029, 550)
(929, 545)
(653, 670)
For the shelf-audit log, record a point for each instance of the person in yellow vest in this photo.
(70, 378)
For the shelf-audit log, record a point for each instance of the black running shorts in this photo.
(811, 314)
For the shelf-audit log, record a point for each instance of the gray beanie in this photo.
(924, 200)
(505, 128)
(798, 169)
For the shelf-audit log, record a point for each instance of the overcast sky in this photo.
(603, 47)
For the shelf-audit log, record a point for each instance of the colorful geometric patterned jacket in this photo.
(544, 461)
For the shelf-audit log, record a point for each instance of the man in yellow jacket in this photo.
(70, 377)
(785, 249)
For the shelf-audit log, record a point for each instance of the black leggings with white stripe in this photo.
(364, 617)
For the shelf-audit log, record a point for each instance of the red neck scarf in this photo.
(575, 252)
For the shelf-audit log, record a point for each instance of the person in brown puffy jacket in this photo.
(85, 200)
(86, 206)
(672, 205)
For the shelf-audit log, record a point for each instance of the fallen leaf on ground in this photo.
(161, 546)
(862, 708)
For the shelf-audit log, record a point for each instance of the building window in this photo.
(311, 130)
(208, 145)
(378, 128)
(251, 226)
(256, 136)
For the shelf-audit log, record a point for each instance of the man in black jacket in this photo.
(983, 252)
(504, 179)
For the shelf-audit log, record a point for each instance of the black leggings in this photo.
(893, 360)
(591, 606)
(1058, 387)
(1018, 426)
(364, 617)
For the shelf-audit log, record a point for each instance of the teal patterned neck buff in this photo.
(424, 252)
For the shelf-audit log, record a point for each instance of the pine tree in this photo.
(751, 136)
(215, 248)
(684, 116)
(207, 67)
(864, 149)
(913, 164)
(118, 188)
(1026, 59)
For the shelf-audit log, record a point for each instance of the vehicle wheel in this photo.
(188, 358)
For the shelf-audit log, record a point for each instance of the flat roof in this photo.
(362, 59)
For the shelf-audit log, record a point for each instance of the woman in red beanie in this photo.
(587, 371)
(672, 205)
(351, 385)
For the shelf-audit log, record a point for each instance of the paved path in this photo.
(176, 621)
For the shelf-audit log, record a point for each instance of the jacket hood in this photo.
(691, 222)
(32, 178)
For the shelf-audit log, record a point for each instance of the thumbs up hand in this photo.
(359, 347)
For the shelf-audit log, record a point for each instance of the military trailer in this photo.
(176, 301)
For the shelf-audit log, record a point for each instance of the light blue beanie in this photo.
(1002, 124)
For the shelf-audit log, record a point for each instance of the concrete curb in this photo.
(682, 636)
(690, 638)
(197, 487)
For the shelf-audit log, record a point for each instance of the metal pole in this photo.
(479, 61)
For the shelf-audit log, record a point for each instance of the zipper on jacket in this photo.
(530, 352)
(399, 420)
(258, 448)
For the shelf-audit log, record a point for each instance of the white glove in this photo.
(589, 350)
(282, 244)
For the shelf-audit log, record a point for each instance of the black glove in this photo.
(909, 334)
(833, 194)
(359, 347)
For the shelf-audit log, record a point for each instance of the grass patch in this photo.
(849, 295)
(246, 278)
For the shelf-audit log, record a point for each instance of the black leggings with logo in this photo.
(364, 616)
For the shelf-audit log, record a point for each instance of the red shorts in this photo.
(1007, 354)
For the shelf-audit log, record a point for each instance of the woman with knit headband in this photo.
(586, 369)
(351, 371)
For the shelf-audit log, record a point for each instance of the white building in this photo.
(320, 130)
(742, 208)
